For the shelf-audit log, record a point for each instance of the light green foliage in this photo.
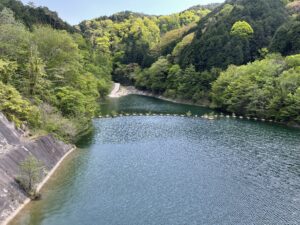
(36, 72)
(293, 60)
(136, 41)
(137, 38)
(178, 20)
(171, 81)
(30, 15)
(59, 52)
(187, 40)
(71, 102)
(146, 31)
(103, 87)
(158, 74)
(265, 89)
(188, 17)
(31, 171)
(103, 44)
(263, 52)
(155, 77)
(226, 10)
(14, 41)
(16, 108)
(50, 67)
(63, 74)
(74, 87)
(170, 39)
(167, 23)
(192, 16)
(7, 70)
(126, 40)
(7, 17)
(242, 29)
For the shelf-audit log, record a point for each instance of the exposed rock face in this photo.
(14, 148)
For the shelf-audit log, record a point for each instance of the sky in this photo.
(75, 11)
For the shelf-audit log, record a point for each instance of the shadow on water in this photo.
(86, 140)
(144, 104)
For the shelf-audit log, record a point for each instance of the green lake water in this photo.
(168, 170)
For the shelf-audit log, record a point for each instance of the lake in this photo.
(168, 170)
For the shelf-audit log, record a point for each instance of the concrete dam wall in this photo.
(14, 148)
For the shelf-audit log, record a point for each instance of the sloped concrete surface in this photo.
(14, 148)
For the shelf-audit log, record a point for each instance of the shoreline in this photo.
(121, 91)
(39, 187)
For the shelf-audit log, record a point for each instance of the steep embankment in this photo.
(14, 148)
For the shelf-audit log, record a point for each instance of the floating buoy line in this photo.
(212, 116)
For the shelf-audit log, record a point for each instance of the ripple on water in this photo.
(173, 170)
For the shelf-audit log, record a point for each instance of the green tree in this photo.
(213, 44)
(30, 15)
(187, 40)
(14, 42)
(31, 171)
(36, 71)
(50, 79)
(159, 74)
(242, 29)
(267, 88)
(174, 75)
(16, 108)
(71, 102)
(7, 70)
(286, 39)
(60, 53)
(188, 83)
(7, 17)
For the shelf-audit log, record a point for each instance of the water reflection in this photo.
(174, 170)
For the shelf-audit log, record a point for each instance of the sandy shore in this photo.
(40, 186)
(120, 91)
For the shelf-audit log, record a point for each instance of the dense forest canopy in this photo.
(31, 15)
(215, 46)
(49, 78)
(133, 37)
(268, 88)
(52, 74)
(188, 59)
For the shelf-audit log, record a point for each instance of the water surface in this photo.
(172, 170)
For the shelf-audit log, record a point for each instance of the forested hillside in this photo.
(50, 79)
(185, 61)
(268, 88)
(134, 38)
(220, 40)
(53, 74)
(30, 15)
